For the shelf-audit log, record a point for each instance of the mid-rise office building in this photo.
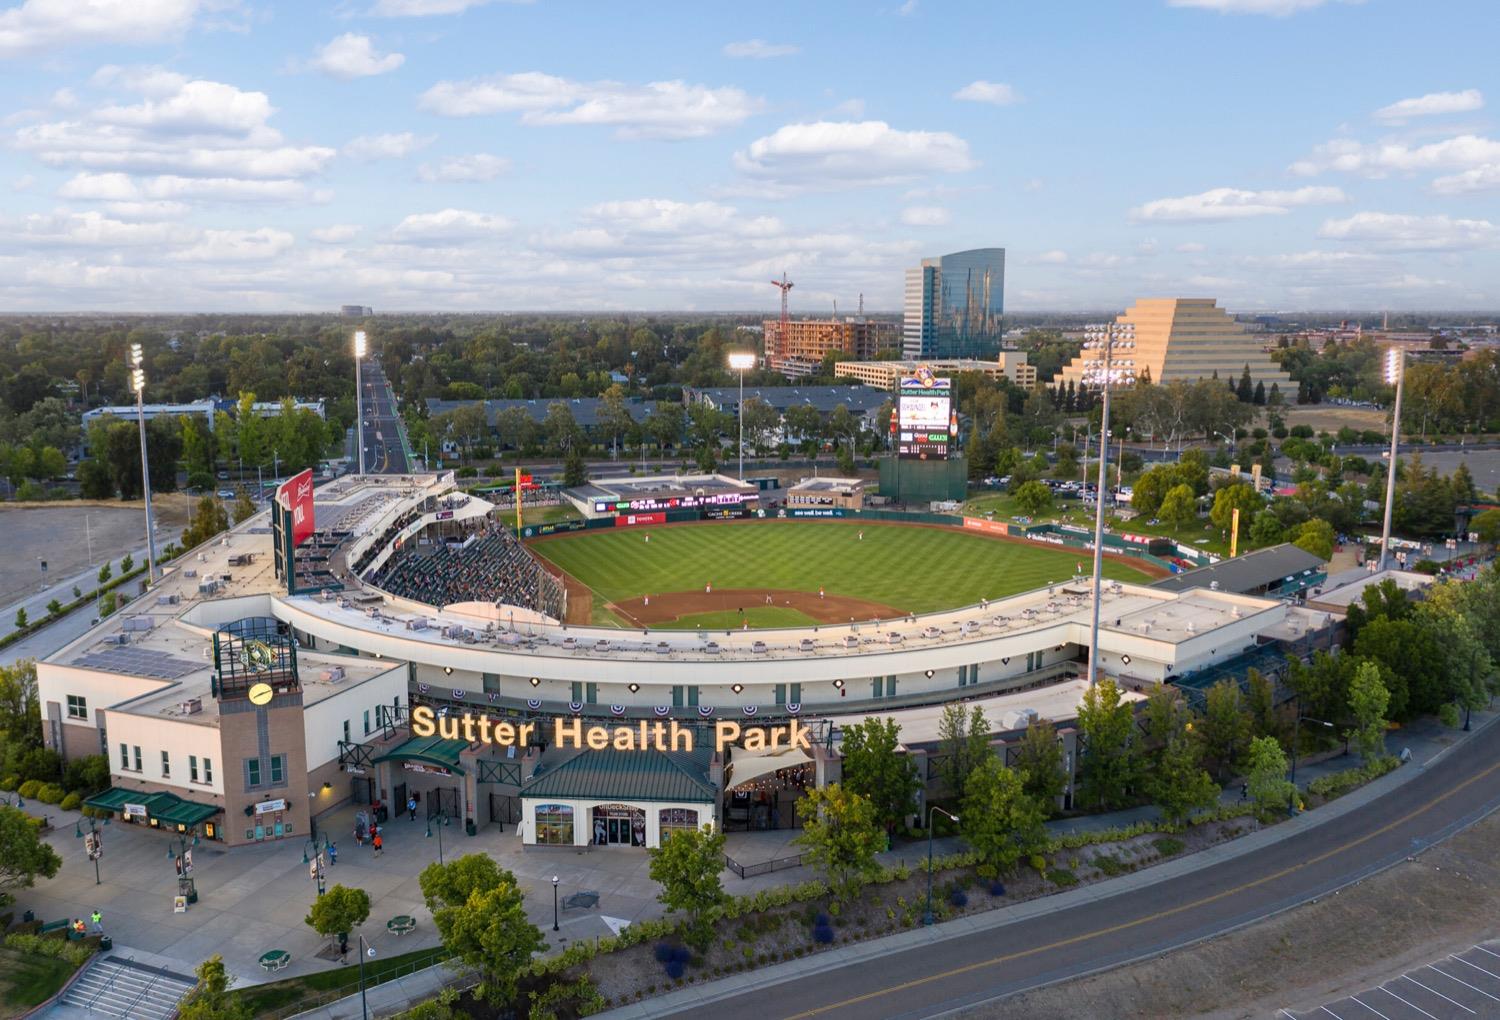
(886, 375)
(798, 350)
(954, 305)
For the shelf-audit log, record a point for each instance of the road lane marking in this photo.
(1360, 1002)
(1398, 998)
(1159, 915)
(1439, 994)
(1461, 981)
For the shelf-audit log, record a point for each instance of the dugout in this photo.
(908, 480)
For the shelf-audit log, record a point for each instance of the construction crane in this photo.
(784, 285)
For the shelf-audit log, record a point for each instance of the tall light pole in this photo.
(138, 383)
(927, 914)
(365, 950)
(359, 397)
(1103, 370)
(740, 361)
(441, 818)
(1395, 375)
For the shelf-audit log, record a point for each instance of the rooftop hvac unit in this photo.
(333, 674)
(1235, 612)
(192, 706)
(203, 557)
(208, 587)
(1146, 627)
(137, 623)
(117, 639)
(168, 600)
(190, 572)
(1192, 628)
(1213, 586)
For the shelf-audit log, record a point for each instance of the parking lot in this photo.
(1457, 987)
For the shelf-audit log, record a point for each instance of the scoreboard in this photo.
(925, 426)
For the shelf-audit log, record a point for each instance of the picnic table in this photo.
(276, 959)
(401, 924)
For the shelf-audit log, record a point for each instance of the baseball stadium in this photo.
(290, 656)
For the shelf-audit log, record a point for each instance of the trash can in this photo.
(106, 943)
(469, 827)
(382, 813)
(28, 917)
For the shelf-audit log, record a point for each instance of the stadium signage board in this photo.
(812, 511)
(296, 495)
(571, 732)
(650, 503)
(924, 416)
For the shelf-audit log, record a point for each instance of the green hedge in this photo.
(31, 628)
(1337, 784)
(76, 953)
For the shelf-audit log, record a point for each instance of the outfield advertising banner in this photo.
(924, 416)
(727, 513)
(691, 502)
(812, 511)
(296, 495)
(981, 524)
(537, 530)
(633, 520)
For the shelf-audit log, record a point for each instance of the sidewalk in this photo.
(35, 604)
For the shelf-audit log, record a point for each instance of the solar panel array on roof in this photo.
(137, 662)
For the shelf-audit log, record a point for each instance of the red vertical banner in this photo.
(296, 494)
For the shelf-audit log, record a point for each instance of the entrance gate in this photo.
(505, 810)
(443, 799)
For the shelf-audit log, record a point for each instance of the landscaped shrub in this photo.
(823, 934)
(51, 793)
(663, 952)
(9, 783)
(1062, 877)
(675, 969)
(1109, 864)
(71, 802)
(958, 898)
(30, 787)
(682, 955)
(1168, 846)
(997, 888)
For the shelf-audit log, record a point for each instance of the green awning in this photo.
(164, 807)
(428, 751)
(626, 775)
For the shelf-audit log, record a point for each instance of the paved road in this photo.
(384, 451)
(932, 979)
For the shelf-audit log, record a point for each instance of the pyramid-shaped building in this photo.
(1191, 338)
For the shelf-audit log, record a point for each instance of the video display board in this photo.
(688, 502)
(924, 417)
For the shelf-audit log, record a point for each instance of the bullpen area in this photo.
(780, 573)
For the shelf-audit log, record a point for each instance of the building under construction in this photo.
(796, 347)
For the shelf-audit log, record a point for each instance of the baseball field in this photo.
(795, 573)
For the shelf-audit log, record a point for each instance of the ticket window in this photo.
(270, 825)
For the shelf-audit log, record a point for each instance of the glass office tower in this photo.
(954, 305)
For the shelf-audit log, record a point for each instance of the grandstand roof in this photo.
(1251, 572)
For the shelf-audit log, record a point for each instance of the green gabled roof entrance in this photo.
(429, 751)
(625, 775)
(164, 807)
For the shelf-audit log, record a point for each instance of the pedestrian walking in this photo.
(333, 853)
(78, 928)
(97, 919)
(820, 591)
(378, 844)
(411, 808)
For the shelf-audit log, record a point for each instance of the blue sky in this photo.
(470, 155)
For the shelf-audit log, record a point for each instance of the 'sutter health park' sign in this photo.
(572, 732)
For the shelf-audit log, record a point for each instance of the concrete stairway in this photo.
(121, 988)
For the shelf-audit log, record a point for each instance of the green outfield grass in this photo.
(912, 568)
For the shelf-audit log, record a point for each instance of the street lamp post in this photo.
(365, 949)
(138, 383)
(182, 858)
(93, 846)
(1296, 733)
(359, 397)
(555, 880)
(1395, 375)
(442, 818)
(314, 855)
(740, 361)
(1102, 370)
(927, 915)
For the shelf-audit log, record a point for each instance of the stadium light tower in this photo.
(1395, 375)
(1103, 369)
(359, 397)
(740, 361)
(138, 383)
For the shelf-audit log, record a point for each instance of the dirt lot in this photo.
(668, 607)
(56, 532)
(1332, 417)
(1443, 901)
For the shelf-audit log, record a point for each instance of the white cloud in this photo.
(1383, 158)
(476, 167)
(1482, 178)
(759, 49)
(84, 230)
(907, 9)
(393, 146)
(994, 93)
(669, 218)
(354, 56)
(925, 216)
(180, 126)
(660, 109)
(1276, 8)
(1191, 247)
(449, 226)
(1233, 204)
(833, 154)
(1397, 232)
(1432, 104)
(147, 210)
(23, 183)
(237, 246)
(120, 187)
(43, 26)
(335, 234)
(1055, 257)
(426, 8)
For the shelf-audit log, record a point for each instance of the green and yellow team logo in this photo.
(257, 656)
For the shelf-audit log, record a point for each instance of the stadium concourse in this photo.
(269, 680)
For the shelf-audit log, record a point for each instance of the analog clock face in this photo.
(260, 694)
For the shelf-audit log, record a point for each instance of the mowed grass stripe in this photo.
(913, 568)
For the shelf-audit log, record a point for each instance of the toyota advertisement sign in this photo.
(296, 496)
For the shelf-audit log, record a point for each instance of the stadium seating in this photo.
(493, 568)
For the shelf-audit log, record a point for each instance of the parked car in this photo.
(225, 493)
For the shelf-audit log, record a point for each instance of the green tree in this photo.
(1033, 498)
(54, 607)
(1266, 778)
(687, 867)
(840, 837)
(244, 507)
(127, 563)
(1000, 822)
(210, 998)
(1225, 728)
(477, 908)
(1487, 525)
(1039, 763)
(1107, 724)
(1368, 700)
(1177, 783)
(21, 618)
(1315, 536)
(575, 471)
(964, 743)
(1179, 508)
(1240, 496)
(209, 519)
(105, 573)
(23, 853)
(875, 769)
(338, 912)
(1266, 530)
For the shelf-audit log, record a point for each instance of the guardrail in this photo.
(764, 867)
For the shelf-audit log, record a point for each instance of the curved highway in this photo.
(1458, 788)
